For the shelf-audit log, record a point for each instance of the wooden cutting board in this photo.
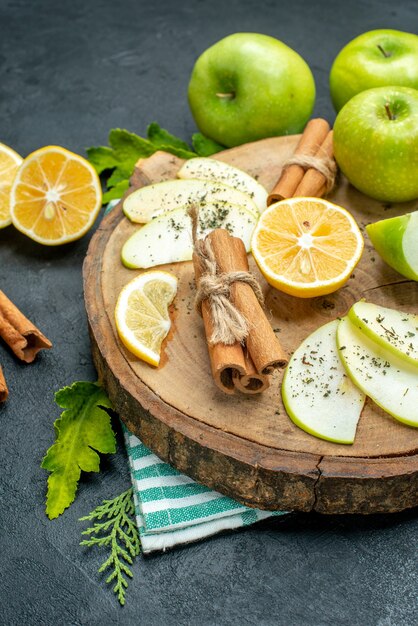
(246, 446)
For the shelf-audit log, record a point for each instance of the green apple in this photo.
(377, 58)
(202, 168)
(317, 394)
(376, 143)
(396, 240)
(249, 86)
(390, 381)
(168, 237)
(144, 204)
(395, 330)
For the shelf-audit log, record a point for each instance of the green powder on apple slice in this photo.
(148, 202)
(394, 330)
(210, 169)
(317, 394)
(390, 381)
(168, 237)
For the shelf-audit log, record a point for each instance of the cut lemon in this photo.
(55, 197)
(306, 247)
(141, 314)
(9, 164)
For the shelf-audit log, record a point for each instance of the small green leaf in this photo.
(128, 148)
(116, 192)
(102, 158)
(161, 137)
(83, 428)
(204, 146)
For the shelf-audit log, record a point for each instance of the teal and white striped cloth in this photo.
(173, 509)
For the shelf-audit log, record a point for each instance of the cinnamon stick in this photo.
(4, 392)
(252, 382)
(262, 344)
(226, 361)
(312, 138)
(19, 333)
(314, 183)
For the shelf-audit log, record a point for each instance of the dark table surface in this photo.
(70, 71)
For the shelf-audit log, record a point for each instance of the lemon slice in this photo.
(9, 164)
(141, 314)
(55, 197)
(306, 247)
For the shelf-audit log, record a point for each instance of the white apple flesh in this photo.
(318, 395)
(168, 237)
(146, 203)
(391, 382)
(203, 168)
(394, 330)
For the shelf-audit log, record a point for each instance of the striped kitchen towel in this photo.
(173, 509)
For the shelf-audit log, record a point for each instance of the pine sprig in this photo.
(119, 532)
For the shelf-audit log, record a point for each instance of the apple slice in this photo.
(203, 168)
(391, 382)
(146, 203)
(395, 239)
(168, 237)
(394, 330)
(318, 395)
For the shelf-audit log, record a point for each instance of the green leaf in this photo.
(102, 158)
(204, 146)
(128, 148)
(162, 139)
(116, 192)
(83, 427)
(122, 536)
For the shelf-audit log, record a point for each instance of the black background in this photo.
(70, 71)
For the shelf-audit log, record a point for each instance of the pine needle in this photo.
(119, 532)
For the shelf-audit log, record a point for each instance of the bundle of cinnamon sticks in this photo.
(241, 364)
(24, 339)
(311, 171)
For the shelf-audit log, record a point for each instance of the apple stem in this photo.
(383, 51)
(390, 115)
(226, 96)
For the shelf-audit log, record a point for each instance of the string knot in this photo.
(324, 164)
(229, 324)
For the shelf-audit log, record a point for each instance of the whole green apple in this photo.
(376, 143)
(250, 86)
(374, 59)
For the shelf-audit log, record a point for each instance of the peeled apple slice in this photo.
(393, 330)
(168, 238)
(391, 382)
(209, 169)
(317, 394)
(146, 203)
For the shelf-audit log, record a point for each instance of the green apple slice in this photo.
(396, 240)
(146, 203)
(168, 237)
(388, 380)
(317, 394)
(209, 169)
(394, 330)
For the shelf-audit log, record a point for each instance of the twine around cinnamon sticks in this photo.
(311, 171)
(242, 346)
(23, 338)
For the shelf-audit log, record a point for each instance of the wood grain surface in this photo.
(246, 446)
